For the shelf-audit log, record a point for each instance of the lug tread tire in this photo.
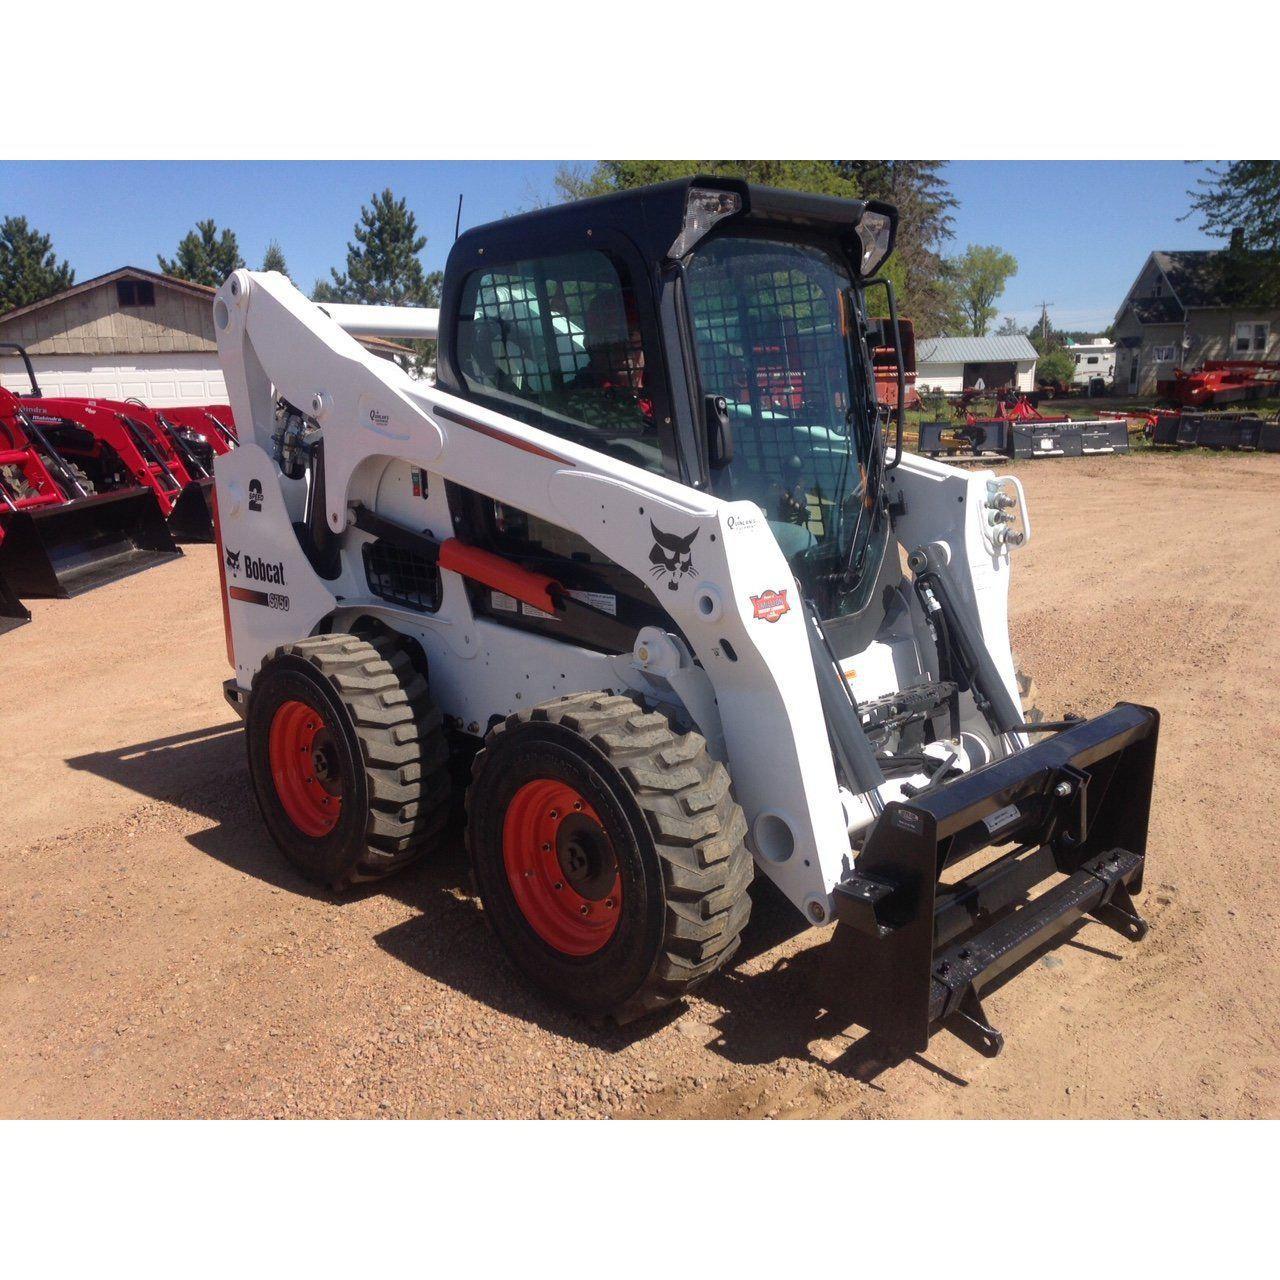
(402, 743)
(697, 827)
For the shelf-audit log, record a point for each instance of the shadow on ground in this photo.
(812, 995)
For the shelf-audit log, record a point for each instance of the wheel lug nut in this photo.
(584, 909)
(559, 884)
(608, 902)
(546, 848)
(577, 804)
(555, 813)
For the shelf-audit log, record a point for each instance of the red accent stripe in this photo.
(501, 436)
(501, 575)
(222, 582)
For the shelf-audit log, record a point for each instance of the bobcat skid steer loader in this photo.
(644, 546)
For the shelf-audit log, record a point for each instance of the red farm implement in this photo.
(58, 536)
(1218, 382)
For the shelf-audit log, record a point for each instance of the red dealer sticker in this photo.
(770, 605)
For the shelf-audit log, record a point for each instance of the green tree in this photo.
(1244, 196)
(273, 259)
(383, 266)
(919, 191)
(1242, 201)
(978, 278)
(29, 269)
(1056, 366)
(1009, 328)
(204, 256)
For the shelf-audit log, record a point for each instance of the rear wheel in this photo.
(348, 757)
(608, 852)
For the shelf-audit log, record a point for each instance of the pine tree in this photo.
(919, 191)
(204, 256)
(29, 269)
(273, 259)
(383, 266)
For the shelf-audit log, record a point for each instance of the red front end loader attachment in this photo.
(118, 444)
(58, 537)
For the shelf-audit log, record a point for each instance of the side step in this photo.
(1073, 808)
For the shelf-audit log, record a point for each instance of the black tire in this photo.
(386, 756)
(76, 470)
(672, 826)
(82, 478)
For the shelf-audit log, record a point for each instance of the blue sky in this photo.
(1079, 229)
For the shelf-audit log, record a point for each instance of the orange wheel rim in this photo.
(561, 867)
(303, 755)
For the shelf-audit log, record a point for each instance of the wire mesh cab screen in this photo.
(769, 335)
(557, 342)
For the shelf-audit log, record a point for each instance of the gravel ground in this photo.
(157, 958)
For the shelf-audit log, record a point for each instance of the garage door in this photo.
(170, 378)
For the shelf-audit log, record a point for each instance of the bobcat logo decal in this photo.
(669, 557)
(233, 563)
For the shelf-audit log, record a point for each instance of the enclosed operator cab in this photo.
(706, 330)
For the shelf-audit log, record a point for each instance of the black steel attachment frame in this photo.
(1073, 808)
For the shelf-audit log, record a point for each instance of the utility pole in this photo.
(1044, 321)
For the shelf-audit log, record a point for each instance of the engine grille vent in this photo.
(402, 577)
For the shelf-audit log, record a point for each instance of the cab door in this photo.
(566, 341)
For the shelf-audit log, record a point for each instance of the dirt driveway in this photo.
(157, 958)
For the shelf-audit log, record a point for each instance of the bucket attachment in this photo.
(13, 613)
(61, 551)
(191, 519)
(1074, 808)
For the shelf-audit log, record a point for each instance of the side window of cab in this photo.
(557, 342)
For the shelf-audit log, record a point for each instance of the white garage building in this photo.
(127, 333)
(953, 364)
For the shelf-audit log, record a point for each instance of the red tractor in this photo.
(122, 444)
(58, 535)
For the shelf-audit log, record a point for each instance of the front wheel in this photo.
(608, 852)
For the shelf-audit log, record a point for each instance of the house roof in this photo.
(380, 346)
(1216, 277)
(121, 273)
(997, 347)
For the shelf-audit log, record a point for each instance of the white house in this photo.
(127, 333)
(1095, 358)
(954, 364)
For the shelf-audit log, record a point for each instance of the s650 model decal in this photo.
(670, 558)
(268, 599)
(769, 606)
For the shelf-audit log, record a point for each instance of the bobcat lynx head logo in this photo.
(233, 563)
(669, 557)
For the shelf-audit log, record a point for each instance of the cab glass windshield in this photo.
(771, 325)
